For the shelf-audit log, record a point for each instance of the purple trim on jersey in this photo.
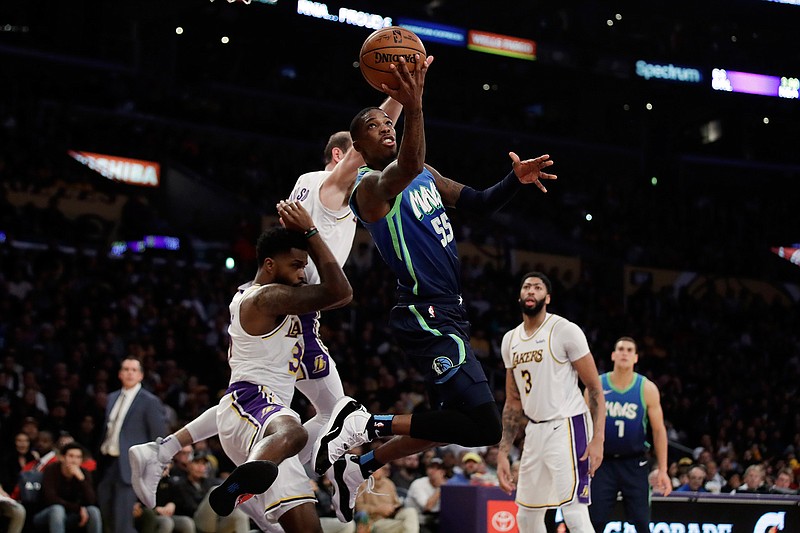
(580, 442)
(253, 402)
(314, 348)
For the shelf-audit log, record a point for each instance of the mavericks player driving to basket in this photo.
(401, 202)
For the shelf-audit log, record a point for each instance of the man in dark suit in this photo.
(133, 416)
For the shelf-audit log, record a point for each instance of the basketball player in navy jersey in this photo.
(401, 201)
(632, 401)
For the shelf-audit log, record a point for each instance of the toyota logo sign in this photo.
(503, 521)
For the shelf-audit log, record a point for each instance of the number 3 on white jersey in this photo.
(441, 225)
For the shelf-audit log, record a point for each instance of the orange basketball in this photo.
(385, 47)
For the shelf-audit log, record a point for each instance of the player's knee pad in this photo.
(577, 518)
(531, 520)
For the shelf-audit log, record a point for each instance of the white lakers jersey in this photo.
(272, 359)
(547, 382)
(337, 228)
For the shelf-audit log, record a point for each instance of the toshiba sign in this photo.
(124, 169)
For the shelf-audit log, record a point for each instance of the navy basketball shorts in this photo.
(435, 337)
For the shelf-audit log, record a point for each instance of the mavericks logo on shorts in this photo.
(442, 364)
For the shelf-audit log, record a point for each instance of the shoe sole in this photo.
(332, 429)
(248, 479)
(342, 492)
(136, 460)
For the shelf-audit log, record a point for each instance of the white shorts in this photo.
(243, 415)
(291, 488)
(550, 474)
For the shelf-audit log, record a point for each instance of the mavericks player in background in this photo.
(544, 358)
(632, 401)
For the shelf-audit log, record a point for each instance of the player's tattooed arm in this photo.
(513, 420)
(595, 397)
(513, 416)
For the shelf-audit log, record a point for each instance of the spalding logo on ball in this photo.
(385, 47)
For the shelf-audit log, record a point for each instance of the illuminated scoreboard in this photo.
(749, 83)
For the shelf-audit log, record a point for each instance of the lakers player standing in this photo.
(544, 358)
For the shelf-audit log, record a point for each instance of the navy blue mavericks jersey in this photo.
(416, 239)
(626, 418)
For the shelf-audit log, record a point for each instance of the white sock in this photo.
(167, 448)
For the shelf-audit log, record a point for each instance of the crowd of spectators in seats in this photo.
(726, 361)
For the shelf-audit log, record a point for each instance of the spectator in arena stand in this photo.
(697, 478)
(784, 483)
(385, 512)
(755, 480)
(68, 495)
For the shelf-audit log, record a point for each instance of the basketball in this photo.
(384, 47)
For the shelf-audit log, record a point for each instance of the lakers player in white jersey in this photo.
(324, 195)
(544, 358)
(257, 428)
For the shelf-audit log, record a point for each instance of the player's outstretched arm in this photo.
(489, 200)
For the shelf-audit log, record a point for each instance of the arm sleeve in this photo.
(491, 199)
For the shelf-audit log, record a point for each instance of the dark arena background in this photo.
(144, 145)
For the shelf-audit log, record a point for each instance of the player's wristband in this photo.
(310, 232)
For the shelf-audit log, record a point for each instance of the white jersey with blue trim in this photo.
(271, 359)
(337, 227)
(542, 367)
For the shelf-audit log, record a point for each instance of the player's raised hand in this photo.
(294, 216)
(532, 170)
(410, 84)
